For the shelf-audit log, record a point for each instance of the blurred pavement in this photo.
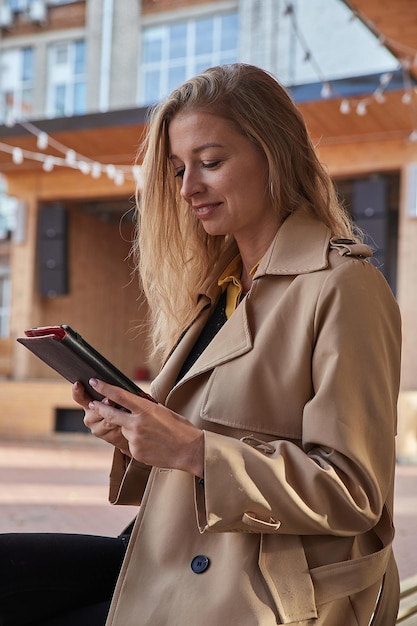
(61, 486)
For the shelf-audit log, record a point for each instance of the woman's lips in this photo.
(205, 210)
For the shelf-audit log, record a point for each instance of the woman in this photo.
(269, 500)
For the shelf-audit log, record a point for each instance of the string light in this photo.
(361, 108)
(17, 156)
(407, 59)
(96, 170)
(290, 13)
(70, 158)
(326, 91)
(48, 164)
(84, 167)
(42, 141)
(345, 106)
(379, 95)
(400, 50)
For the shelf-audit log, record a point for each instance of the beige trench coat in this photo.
(297, 397)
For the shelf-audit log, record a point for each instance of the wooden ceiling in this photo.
(108, 138)
(114, 137)
(395, 20)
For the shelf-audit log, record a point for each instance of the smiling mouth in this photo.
(205, 210)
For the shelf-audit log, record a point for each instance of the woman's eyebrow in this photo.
(198, 149)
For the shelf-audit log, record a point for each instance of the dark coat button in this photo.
(200, 563)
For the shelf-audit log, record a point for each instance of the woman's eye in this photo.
(210, 164)
(180, 173)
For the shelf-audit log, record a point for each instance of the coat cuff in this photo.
(128, 480)
(222, 458)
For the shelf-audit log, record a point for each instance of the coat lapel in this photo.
(300, 246)
(232, 340)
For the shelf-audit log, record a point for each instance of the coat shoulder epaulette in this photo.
(349, 247)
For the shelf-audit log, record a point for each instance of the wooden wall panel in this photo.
(29, 408)
(102, 304)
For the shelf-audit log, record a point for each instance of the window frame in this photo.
(63, 79)
(192, 62)
(20, 88)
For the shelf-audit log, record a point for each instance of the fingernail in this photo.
(93, 382)
(91, 405)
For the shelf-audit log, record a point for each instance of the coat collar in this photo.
(300, 246)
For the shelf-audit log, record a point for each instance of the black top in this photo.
(210, 330)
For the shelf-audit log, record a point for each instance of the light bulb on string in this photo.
(326, 90)
(96, 170)
(48, 164)
(70, 157)
(119, 178)
(17, 156)
(344, 107)
(84, 167)
(385, 78)
(361, 108)
(42, 141)
(110, 171)
(379, 96)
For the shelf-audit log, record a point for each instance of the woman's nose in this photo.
(191, 184)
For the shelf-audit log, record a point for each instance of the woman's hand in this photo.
(98, 426)
(155, 435)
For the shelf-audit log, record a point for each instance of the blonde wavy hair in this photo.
(173, 253)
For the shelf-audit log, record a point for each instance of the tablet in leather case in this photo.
(70, 355)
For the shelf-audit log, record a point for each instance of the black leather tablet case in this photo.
(70, 355)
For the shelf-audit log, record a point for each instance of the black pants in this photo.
(57, 579)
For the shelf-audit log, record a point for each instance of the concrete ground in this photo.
(61, 486)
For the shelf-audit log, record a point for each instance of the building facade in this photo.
(76, 79)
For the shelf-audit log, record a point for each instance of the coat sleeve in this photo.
(338, 477)
(128, 480)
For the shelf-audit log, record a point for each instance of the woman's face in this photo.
(223, 177)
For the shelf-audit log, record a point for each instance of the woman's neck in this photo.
(246, 279)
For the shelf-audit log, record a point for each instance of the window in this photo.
(52, 2)
(23, 5)
(8, 209)
(66, 79)
(4, 300)
(174, 52)
(18, 5)
(16, 90)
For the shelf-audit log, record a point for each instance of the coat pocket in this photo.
(240, 398)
